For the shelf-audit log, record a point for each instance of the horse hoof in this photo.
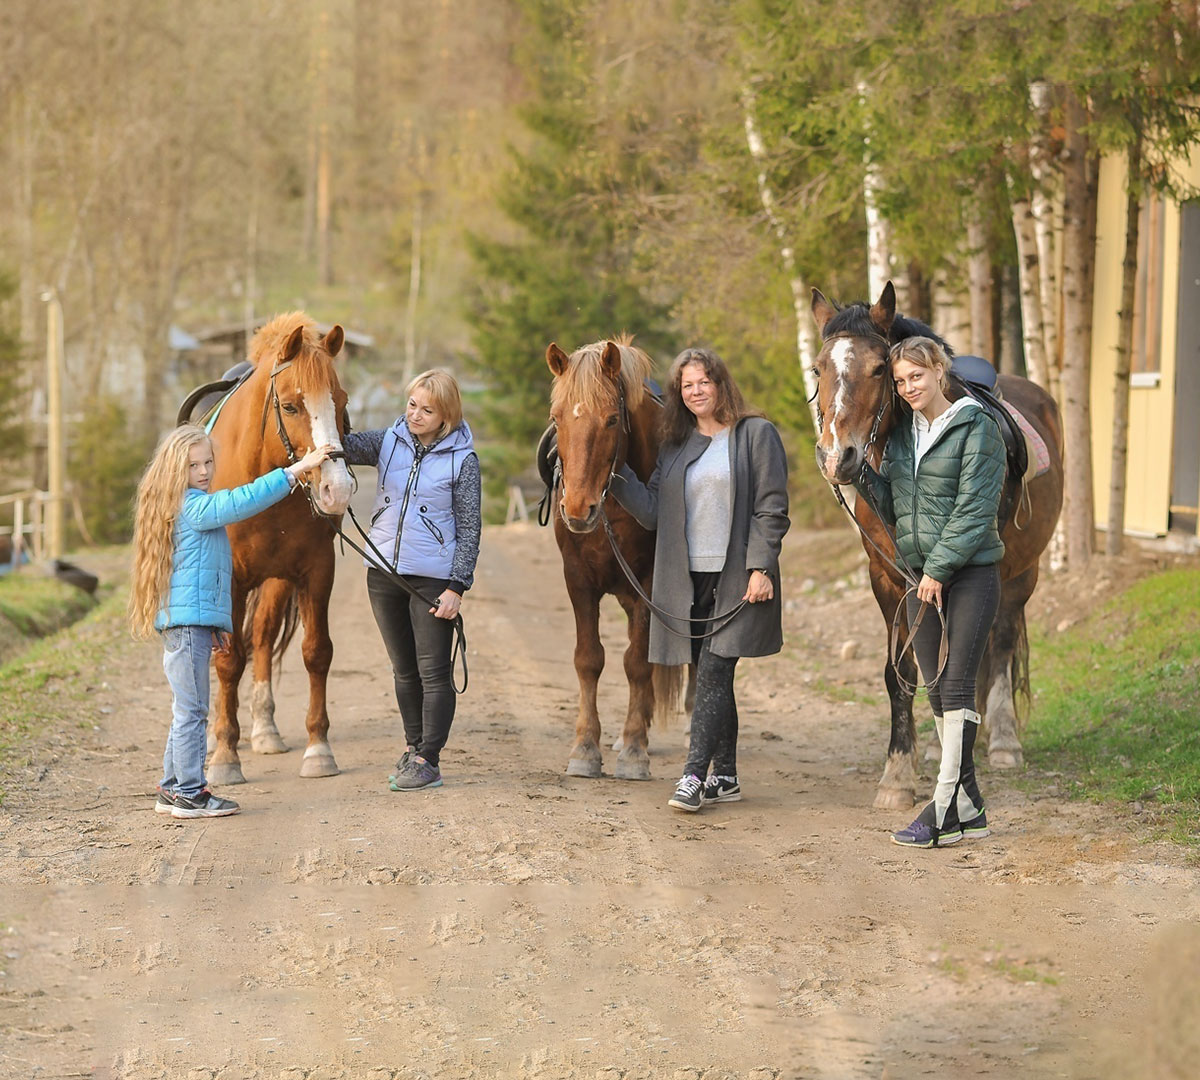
(583, 767)
(225, 772)
(1006, 759)
(895, 798)
(268, 743)
(632, 770)
(315, 765)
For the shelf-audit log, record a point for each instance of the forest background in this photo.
(468, 181)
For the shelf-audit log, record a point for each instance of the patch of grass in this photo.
(40, 605)
(42, 688)
(1116, 709)
(835, 691)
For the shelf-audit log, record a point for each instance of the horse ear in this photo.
(610, 362)
(883, 311)
(822, 310)
(334, 339)
(292, 346)
(556, 359)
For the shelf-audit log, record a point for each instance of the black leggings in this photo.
(714, 716)
(969, 601)
(418, 645)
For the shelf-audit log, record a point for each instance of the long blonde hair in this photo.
(159, 499)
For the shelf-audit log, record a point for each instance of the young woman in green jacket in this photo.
(939, 485)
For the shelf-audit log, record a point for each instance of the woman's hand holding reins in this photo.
(759, 589)
(313, 458)
(448, 605)
(929, 591)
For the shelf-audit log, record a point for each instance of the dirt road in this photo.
(519, 923)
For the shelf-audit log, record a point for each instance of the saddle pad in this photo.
(1038, 451)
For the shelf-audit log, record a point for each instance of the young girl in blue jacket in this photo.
(182, 586)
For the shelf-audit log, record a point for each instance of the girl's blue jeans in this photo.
(187, 651)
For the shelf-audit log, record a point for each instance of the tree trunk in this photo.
(1120, 430)
(806, 343)
(1029, 279)
(979, 285)
(414, 294)
(1079, 228)
(1041, 205)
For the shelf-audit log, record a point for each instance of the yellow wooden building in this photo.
(1163, 471)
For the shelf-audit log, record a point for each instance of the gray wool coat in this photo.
(758, 473)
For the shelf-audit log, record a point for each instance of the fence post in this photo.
(18, 530)
(516, 506)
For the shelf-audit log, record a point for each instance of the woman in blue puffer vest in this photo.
(425, 528)
(182, 586)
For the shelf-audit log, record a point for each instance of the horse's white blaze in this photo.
(577, 412)
(333, 495)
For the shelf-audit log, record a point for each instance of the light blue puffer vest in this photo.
(412, 521)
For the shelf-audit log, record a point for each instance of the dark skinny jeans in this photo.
(969, 602)
(714, 716)
(418, 645)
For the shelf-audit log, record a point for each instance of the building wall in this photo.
(1151, 406)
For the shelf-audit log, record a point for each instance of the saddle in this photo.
(976, 377)
(206, 398)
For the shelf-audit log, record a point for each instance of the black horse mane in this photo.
(855, 319)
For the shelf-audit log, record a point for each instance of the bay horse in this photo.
(604, 417)
(283, 560)
(858, 406)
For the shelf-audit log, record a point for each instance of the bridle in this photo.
(272, 402)
(906, 573)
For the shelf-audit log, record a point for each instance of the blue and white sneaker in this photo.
(976, 828)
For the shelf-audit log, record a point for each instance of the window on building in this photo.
(1147, 302)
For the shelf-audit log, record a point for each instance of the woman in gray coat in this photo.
(718, 498)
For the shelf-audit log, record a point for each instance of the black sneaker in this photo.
(206, 804)
(976, 828)
(165, 801)
(722, 789)
(408, 753)
(689, 794)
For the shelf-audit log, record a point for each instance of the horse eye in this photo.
(611, 421)
(290, 409)
(878, 372)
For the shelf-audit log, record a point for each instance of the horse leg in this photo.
(633, 762)
(273, 597)
(1008, 651)
(585, 759)
(225, 766)
(897, 788)
(317, 650)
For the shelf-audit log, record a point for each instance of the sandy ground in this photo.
(520, 923)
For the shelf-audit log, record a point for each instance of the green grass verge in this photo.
(1118, 703)
(48, 684)
(40, 605)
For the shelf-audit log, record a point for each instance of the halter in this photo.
(272, 400)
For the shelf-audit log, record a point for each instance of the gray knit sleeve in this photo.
(362, 447)
(468, 523)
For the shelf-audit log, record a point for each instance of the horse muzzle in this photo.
(332, 487)
(839, 465)
(585, 524)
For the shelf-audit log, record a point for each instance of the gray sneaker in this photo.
(408, 753)
(415, 775)
(206, 804)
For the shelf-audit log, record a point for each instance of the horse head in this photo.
(305, 404)
(855, 392)
(589, 406)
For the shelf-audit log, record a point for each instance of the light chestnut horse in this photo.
(858, 406)
(283, 560)
(604, 418)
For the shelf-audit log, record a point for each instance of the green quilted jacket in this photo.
(945, 515)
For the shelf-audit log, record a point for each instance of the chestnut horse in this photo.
(858, 406)
(292, 401)
(604, 417)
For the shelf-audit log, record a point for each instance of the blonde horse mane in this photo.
(311, 367)
(584, 383)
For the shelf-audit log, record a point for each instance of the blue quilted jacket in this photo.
(202, 570)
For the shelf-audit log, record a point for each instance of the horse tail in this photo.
(668, 690)
(1019, 671)
(288, 626)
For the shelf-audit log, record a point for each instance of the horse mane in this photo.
(585, 383)
(855, 319)
(311, 366)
